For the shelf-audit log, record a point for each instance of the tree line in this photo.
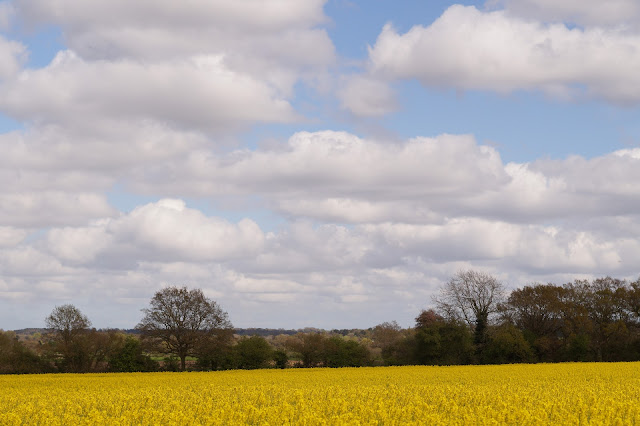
(474, 320)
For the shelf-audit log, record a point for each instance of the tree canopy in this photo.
(181, 319)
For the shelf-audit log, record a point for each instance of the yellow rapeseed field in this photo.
(513, 394)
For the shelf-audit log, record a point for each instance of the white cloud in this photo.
(147, 94)
(28, 261)
(95, 154)
(10, 237)
(331, 165)
(367, 97)
(12, 55)
(7, 12)
(272, 40)
(197, 93)
(582, 12)
(532, 248)
(80, 244)
(336, 176)
(166, 230)
(255, 15)
(47, 208)
(391, 268)
(469, 49)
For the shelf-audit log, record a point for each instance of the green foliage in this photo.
(507, 345)
(442, 342)
(309, 346)
(316, 349)
(171, 363)
(281, 359)
(129, 358)
(216, 352)
(253, 352)
(16, 358)
(339, 352)
(400, 352)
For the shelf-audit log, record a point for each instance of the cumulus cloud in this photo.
(469, 49)
(12, 56)
(144, 96)
(51, 207)
(7, 12)
(367, 97)
(582, 12)
(213, 67)
(94, 153)
(272, 14)
(334, 164)
(316, 270)
(532, 248)
(166, 230)
(337, 176)
(52, 176)
(272, 40)
(199, 92)
(10, 237)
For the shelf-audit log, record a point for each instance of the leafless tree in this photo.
(68, 331)
(182, 320)
(471, 296)
(66, 322)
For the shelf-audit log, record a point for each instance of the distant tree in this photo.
(340, 352)
(67, 322)
(507, 345)
(280, 358)
(540, 312)
(253, 352)
(310, 347)
(633, 299)
(388, 343)
(386, 334)
(17, 358)
(128, 357)
(67, 331)
(441, 341)
(182, 320)
(216, 351)
(471, 296)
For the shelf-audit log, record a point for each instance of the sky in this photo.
(317, 163)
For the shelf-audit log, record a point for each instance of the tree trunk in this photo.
(183, 362)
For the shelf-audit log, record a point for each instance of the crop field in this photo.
(513, 394)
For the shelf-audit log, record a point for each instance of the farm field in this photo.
(512, 394)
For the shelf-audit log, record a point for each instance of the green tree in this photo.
(280, 358)
(441, 341)
(216, 352)
(128, 357)
(387, 338)
(540, 312)
(339, 352)
(253, 352)
(507, 345)
(16, 358)
(310, 347)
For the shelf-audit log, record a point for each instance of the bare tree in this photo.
(471, 296)
(182, 320)
(67, 322)
(68, 328)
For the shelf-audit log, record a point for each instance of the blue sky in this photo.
(328, 163)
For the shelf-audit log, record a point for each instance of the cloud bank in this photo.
(131, 168)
